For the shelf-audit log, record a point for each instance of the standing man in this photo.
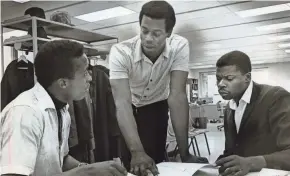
(148, 75)
(256, 120)
(35, 126)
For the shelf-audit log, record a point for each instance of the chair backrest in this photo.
(194, 111)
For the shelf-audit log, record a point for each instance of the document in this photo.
(185, 169)
(193, 169)
(273, 172)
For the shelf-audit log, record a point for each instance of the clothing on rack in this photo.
(18, 77)
(94, 131)
(81, 140)
(106, 129)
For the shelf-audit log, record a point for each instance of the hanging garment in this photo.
(106, 129)
(18, 77)
(81, 140)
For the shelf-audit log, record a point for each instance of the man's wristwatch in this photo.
(82, 164)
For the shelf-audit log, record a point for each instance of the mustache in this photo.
(222, 90)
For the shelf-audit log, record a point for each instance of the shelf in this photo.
(25, 41)
(27, 45)
(56, 29)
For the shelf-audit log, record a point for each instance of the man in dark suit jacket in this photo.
(256, 120)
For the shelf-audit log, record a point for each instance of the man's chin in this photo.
(80, 98)
(226, 97)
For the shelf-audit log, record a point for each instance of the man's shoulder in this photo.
(24, 101)
(177, 40)
(127, 45)
(273, 92)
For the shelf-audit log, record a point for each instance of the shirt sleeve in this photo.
(21, 131)
(118, 64)
(181, 58)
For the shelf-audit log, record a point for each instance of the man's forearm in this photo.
(69, 163)
(278, 160)
(128, 126)
(179, 112)
(257, 163)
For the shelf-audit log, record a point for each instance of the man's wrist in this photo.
(257, 163)
(184, 155)
(134, 152)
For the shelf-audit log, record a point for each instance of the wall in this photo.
(273, 74)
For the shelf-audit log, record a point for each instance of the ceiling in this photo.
(212, 27)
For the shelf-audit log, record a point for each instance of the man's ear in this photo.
(248, 77)
(169, 33)
(63, 83)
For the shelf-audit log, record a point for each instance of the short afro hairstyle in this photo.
(159, 10)
(54, 60)
(239, 59)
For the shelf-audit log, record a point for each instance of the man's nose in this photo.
(221, 84)
(89, 78)
(148, 38)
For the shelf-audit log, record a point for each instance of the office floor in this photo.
(216, 142)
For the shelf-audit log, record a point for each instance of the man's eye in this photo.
(86, 73)
(156, 34)
(144, 31)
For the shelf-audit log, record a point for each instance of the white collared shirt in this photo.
(239, 110)
(149, 83)
(29, 135)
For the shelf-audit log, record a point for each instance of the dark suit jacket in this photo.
(265, 127)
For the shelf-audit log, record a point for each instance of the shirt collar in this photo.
(139, 54)
(43, 99)
(245, 98)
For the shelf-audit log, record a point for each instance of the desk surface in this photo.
(193, 169)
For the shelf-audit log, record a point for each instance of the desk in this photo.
(193, 169)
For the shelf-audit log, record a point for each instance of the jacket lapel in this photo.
(250, 107)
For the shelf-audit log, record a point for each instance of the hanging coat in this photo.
(105, 125)
(18, 77)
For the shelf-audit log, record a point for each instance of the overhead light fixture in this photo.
(274, 26)
(21, 1)
(284, 45)
(201, 66)
(287, 51)
(105, 14)
(280, 37)
(197, 63)
(258, 62)
(263, 10)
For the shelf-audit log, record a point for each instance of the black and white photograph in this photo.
(145, 88)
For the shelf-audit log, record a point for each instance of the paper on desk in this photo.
(184, 169)
(167, 171)
(190, 168)
(273, 172)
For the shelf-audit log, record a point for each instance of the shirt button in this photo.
(145, 96)
(150, 80)
(147, 88)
